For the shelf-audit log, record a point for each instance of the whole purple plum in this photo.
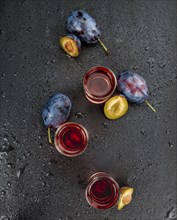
(56, 110)
(84, 26)
(132, 86)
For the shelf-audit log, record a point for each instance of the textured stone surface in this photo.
(139, 150)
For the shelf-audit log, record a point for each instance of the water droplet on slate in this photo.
(53, 61)
(1, 32)
(126, 118)
(146, 48)
(162, 65)
(5, 137)
(47, 31)
(41, 213)
(18, 173)
(6, 148)
(3, 192)
(151, 64)
(11, 56)
(4, 218)
(149, 165)
(150, 60)
(3, 94)
(79, 115)
(2, 159)
(135, 67)
(3, 154)
(167, 132)
(9, 165)
(8, 184)
(3, 75)
(41, 145)
(15, 74)
(86, 211)
(105, 124)
(172, 214)
(36, 199)
(96, 136)
(29, 29)
(157, 103)
(78, 214)
(44, 184)
(49, 15)
(49, 174)
(81, 181)
(171, 144)
(53, 161)
(140, 30)
(29, 154)
(143, 132)
(21, 171)
(69, 56)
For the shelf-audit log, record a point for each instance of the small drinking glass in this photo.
(102, 191)
(71, 139)
(99, 84)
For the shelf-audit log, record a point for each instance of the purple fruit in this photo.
(56, 111)
(84, 26)
(133, 86)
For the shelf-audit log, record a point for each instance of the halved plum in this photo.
(71, 44)
(125, 197)
(116, 107)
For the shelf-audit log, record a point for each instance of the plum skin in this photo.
(132, 86)
(56, 110)
(84, 26)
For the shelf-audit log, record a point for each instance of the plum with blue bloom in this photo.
(133, 87)
(85, 27)
(56, 111)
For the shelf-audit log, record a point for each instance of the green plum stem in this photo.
(49, 136)
(104, 47)
(150, 105)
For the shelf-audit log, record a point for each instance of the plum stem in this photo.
(49, 136)
(150, 105)
(104, 47)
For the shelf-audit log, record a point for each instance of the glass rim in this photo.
(91, 181)
(96, 99)
(65, 152)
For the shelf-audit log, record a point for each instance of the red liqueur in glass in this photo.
(102, 191)
(71, 139)
(99, 84)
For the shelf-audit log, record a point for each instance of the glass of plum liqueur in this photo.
(99, 84)
(71, 139)
(102, 191)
